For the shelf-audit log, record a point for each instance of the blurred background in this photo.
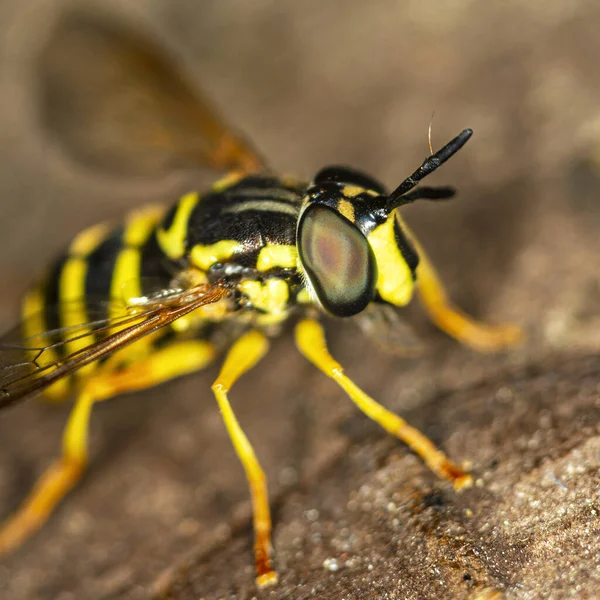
(163, 510)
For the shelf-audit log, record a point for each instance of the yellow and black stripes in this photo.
(102, 268)
(59, 306)
(126, 282)
(173, 231)
(243, 229)
(233, 223)
(128, 263)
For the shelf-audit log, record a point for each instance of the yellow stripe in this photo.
(32, 312)
(89, 240)
(140, 224)
(172, 241)
(347, 209)
(203, 257)
(394, 282)
(303, 297)
(227, 181)
(125, 283)
(271, 297)
(272, 256)
(73, 311)
(34, 327)
(71, 289)
(352, 191)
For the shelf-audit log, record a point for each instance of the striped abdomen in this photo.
(101, 269)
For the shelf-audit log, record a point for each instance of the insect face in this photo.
(351, 245)
(338, 212)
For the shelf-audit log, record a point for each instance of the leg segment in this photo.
(433, 297)
(175, 360)
(310, 340)
(244, 354)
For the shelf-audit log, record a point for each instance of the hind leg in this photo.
(110, 380)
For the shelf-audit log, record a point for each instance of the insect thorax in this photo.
(243, 231)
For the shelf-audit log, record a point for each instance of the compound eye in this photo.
(337, 259)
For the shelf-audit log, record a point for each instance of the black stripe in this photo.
(100, 269)
(51, 298)
(169, 217)
(156, 270)
(408, 252)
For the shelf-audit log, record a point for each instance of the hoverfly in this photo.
(132, 304)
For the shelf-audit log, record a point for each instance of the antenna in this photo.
(399, 196)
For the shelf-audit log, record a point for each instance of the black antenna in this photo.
(399, 196)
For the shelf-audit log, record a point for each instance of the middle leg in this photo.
(244, 354)
(310, 340)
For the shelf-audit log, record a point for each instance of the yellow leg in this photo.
(310, 340)
(465, 329)
(244, 354)
(65, 472)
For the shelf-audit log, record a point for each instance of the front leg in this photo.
(310, 340)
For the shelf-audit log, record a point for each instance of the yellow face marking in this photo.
(272, 256)
(172, 242)
(351, 191)
(271, 297)
(347, 209)
(203, 257)
(34, 326)
(227, 181)
(394, 282)
(140, 223)
(89, 240)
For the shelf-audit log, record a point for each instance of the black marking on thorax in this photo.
(257, 211)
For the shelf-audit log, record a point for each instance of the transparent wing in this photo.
(115, 102)
(29, 364)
